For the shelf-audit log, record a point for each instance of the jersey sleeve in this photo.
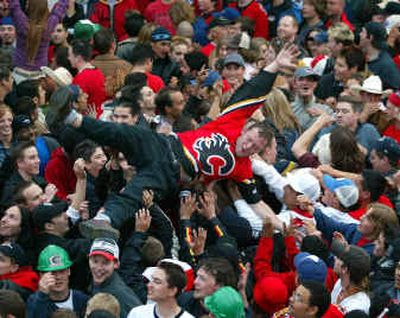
(250, 96)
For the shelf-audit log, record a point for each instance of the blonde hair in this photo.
(277, 108)
(341, 32)
(181, 11)
(4, 109)
(103, 301)
(144, 36)
(381, 215)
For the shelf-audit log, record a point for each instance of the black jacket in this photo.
(166, 69)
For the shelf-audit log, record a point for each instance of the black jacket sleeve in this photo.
(161, 228)
(130, 268)
(258, 86)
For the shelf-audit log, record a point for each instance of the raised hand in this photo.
(287, 57)
(188, 206)
(206, 206)
(84, 210)
(142, 220)
(242, 282)
(268, 228)
(49, 192)
(46, 282)
(148, 197)
(79, 168)
(305, 204)
(198, 241)
(337, 236)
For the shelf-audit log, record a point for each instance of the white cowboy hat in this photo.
(373, 85)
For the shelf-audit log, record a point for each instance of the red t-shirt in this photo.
(158, 13)
(392, 132)
(343, 19)
(208, 49)
(91, 81)
(256, 12)
(155, 82)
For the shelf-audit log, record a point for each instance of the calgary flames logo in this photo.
(214, 155)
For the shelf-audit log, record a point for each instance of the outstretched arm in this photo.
(300, 147)
(253, 92)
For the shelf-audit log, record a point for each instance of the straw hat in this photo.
(60, 75)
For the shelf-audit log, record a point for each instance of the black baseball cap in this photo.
(14, 251)
(47, 211)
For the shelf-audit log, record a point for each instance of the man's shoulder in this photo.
(186, 298)
(89, 74)
(142, 311)
(366, 127)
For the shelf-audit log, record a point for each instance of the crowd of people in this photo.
(200, 158)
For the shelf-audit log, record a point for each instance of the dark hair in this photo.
(182, 124)
(133, 106)
(83, 49)
(358, 263)
(28, 88)
(85, 150)
(61, 59)
(221, 269)
(356, 104)
(18, 197)
(69, 138)
(264, 131)
(63, 99)
(17, 152)
(345, 153)
(164, 99)
(354, 57)
(141, 53)
(25, 238)
(373, 182)
(319, 296)
(175, 275)
(136, 80)
(195, 60)
(314, 245)
(134, 21)
(11, 303)
(24, 106)
(131, 92)
(4, 73)
(103, 40)
(319, 6)
(392, 161)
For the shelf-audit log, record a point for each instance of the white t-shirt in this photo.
(357, 301)
(149, 311)
(66, 304)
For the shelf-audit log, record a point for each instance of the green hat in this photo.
(85, 29)
(225, 303)
(53, 258)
